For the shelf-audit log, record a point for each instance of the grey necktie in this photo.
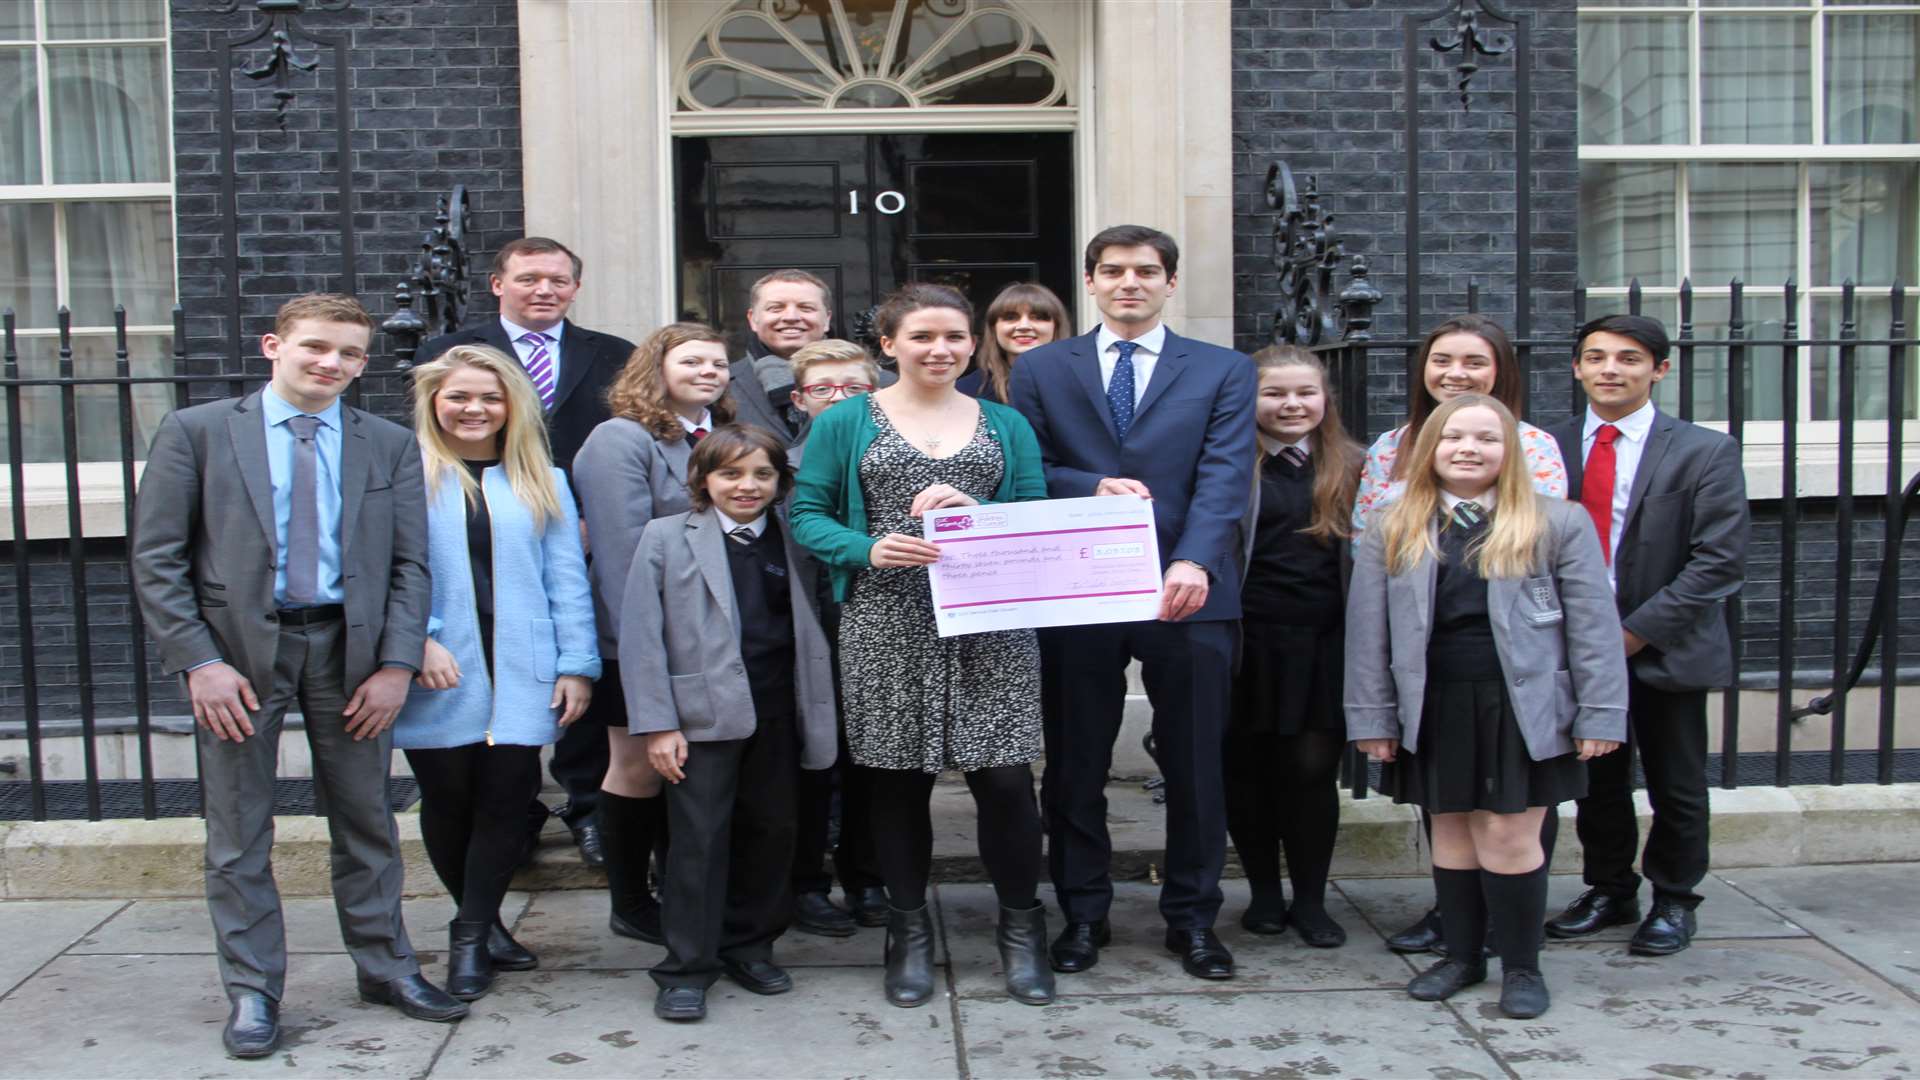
(303, 522)
(741, 535)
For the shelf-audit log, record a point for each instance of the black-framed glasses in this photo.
(828, 391)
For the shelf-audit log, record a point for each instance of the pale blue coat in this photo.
(542, 623)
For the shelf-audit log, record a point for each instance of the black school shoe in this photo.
(1445, 979)
(1422, 936)
(681, 1003)
(1523, 994)
(1593, 912)
(1668, 929)
(253, 1026)
(815, 913)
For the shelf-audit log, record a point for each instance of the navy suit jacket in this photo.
(1191, 443)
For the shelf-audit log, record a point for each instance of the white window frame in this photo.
(45, 483)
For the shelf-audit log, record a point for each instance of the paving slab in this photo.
(183, 926)
(1724, 1008)
(1393, 903)
(600, 1023)
(1864, 911)
(1138, 962)
(160, 1016)
(36, 931)
(1365, 1033)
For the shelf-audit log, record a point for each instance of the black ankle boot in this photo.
(1023, 954)
(909, 978)
(469, 967)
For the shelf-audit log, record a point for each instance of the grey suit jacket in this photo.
(1555, 630)
(204, 539)
(624, 478)
(680, 641)
(1683, 549)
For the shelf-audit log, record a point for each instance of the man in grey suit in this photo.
(1669, 502)
(280, 556)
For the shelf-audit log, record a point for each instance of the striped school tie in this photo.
(1468, 515)
(1295, 456)
(539, 365)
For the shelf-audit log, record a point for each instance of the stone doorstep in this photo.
(1760, 826)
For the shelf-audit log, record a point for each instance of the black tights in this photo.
(1008, 826)
(1280, 791)
(473, 819)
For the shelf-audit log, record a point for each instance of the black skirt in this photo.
(1472, 757)
(1290, 680)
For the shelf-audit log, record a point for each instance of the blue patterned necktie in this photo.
(1120, 388)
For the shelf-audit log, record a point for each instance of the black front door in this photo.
(870, 212)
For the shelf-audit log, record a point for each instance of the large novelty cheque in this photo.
(1059, 562)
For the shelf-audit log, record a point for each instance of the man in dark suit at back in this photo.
(536, 280)
(1669, 500)
(1135, 410)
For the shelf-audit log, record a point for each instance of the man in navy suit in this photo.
(1137, 411)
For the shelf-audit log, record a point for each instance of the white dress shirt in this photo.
(1484, 500)
(1628, 448)
(758, 526)
(1150, 345)
(706, 421)
(1273, 446)
(523, 350)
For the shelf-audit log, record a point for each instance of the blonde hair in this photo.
(831, 351)
(1337, 459)
(523, 439)
(639, 392)
(1507, 548)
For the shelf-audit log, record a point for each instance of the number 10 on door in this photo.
(887, 202)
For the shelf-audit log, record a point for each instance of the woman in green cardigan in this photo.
(916, 703)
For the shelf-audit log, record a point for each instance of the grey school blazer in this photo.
(624, 478)
(1556, 631)
(680, 641)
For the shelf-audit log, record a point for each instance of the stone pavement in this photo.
(1798, 972)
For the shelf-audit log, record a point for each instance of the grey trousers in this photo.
(350, 782)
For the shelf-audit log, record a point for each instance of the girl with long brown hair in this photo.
(1025, 316)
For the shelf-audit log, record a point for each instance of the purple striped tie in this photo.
(539, 365)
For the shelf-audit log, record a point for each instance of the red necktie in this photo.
(1596, 486)
(694, 436)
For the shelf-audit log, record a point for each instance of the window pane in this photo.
(109, 114)
(1628, 227)
(16, 20)
(1873, 316)
(26, 278)
(1866, 222)
(1754, 79)
(120, 253)
(106, 19)
(1873, 78)
(98, 407)
(1743, 223)
(20, 120)
(1762, 318)
(1633, 80)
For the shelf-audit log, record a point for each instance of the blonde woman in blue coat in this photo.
(511, 652)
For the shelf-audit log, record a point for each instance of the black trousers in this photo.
(728, 890)
(853, 858)
(1188, 670)
(580, 756)
(1668, 730)
(472, 822)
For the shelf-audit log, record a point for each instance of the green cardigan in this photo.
(829, 513)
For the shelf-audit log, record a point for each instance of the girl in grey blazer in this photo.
(1483, 668)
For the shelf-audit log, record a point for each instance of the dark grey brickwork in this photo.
(1317, 84)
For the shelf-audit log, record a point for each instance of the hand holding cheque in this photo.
(899, 549)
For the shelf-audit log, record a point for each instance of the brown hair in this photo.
(1134, 236)
(320, 307)
(1336, 458)
(917, 296)
(1508, 385)
(533, 245)
(794, 277)
(996, 367)
(639, 392)
(830, 351)
(725, 445)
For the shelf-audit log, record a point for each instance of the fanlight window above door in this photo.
(865, 54)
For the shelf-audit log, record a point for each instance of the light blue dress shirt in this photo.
(326, 440)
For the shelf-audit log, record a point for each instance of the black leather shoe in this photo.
(1078, 946)
(681, 1003)
(508, 954)
(1421, 937)
(641, 924)
(1201, 953)
(414, 996)
(1316, 927)
(1265, 916)
(1523, 994)
(1445, 979)
(869, 906)
(1668, 929)
(1593, 912)
(253, 1027)
(759, 976)
(586, 836)
(815, 913)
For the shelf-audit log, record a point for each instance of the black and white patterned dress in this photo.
(912, 699)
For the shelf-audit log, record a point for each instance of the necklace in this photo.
(933, 441)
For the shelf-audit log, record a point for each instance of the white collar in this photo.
(758, 526)
(515, 331)
(1485, 500)
(1635, 425)
(706, 421)
(1274, 446)
(1153, 341)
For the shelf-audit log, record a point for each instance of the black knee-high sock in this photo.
(627, 838)
(1549, 834)
(1518, 904)
(1463, 913)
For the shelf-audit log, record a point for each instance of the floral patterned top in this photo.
(1378, 490)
